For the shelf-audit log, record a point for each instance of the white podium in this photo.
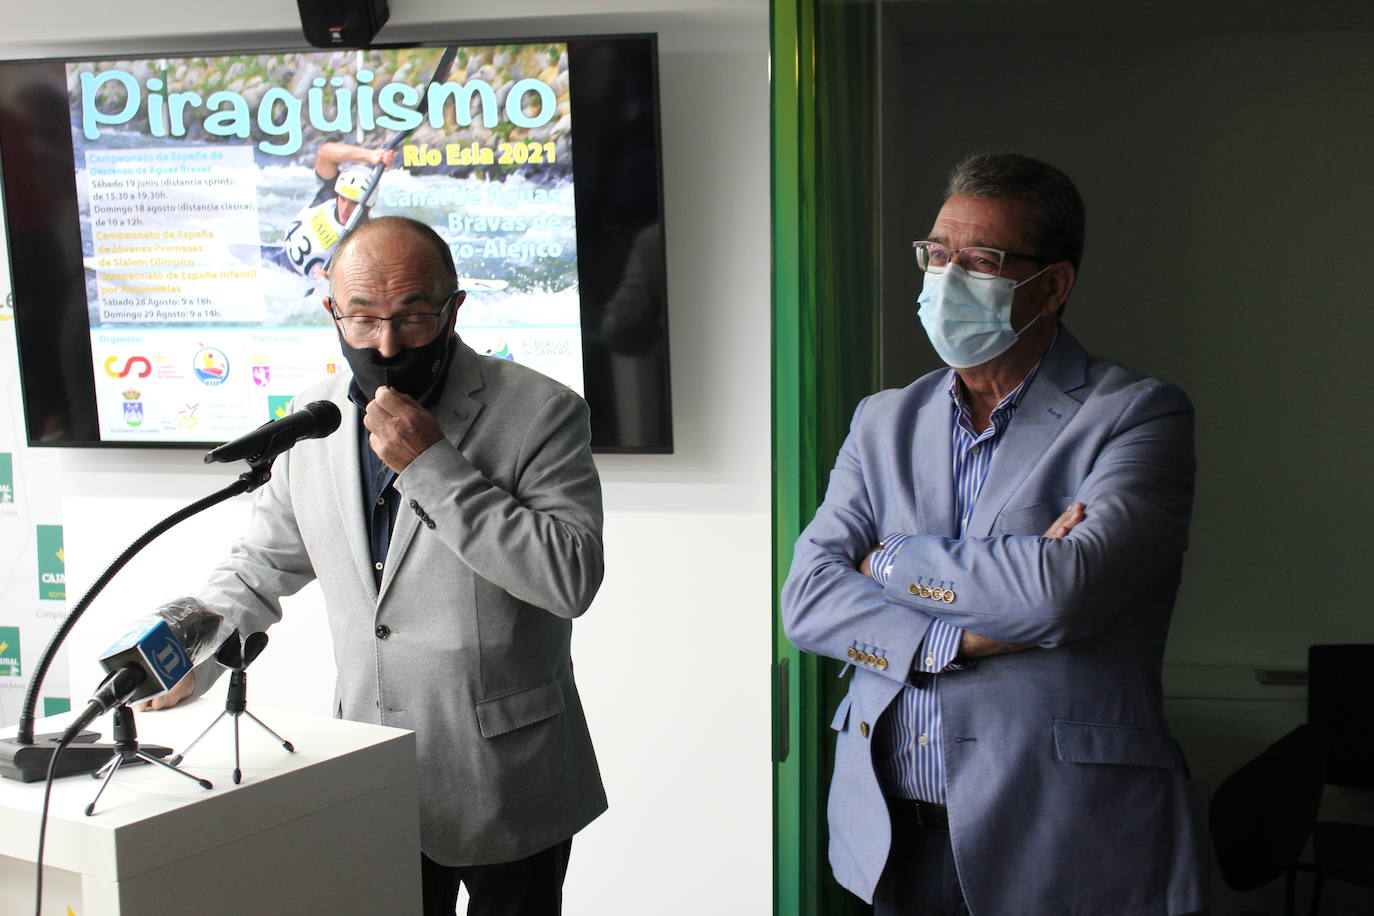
(332, 828)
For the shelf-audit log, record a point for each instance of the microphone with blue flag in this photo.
(153, 656)
(166, 645)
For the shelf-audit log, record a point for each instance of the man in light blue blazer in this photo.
(996, 559)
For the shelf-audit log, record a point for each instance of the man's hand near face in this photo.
(401, 429)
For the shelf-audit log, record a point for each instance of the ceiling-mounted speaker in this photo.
(342, 23)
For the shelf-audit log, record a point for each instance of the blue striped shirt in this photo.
(910, 737)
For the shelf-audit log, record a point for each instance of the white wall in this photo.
(673, 658)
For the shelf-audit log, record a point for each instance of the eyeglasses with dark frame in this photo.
(981, 263)
(411, 328)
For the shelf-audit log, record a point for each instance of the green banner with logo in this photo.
(10, 665)
(52, 567)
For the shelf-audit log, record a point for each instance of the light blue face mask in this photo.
(968, 319)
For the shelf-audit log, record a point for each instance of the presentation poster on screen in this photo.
(213, 191)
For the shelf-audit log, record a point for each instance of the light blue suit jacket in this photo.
(1066, 791)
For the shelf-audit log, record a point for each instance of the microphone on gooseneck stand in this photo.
(313, 421)
(27, 756)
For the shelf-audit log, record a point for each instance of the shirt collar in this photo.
(1008, 403)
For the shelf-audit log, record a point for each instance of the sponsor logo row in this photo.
(187, 416)
(209, 366)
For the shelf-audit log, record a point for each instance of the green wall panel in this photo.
(825, 358)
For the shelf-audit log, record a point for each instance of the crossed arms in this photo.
(971, 645)
(1013, 589)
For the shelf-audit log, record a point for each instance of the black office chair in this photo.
(1340, 700)
(1262, 814)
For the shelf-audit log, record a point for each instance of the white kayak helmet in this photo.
(352, 182)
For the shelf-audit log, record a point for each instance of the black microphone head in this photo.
(326, 415)
(313, 421)
(230, 653)
(253, 646)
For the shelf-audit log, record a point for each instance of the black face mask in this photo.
(414, 371)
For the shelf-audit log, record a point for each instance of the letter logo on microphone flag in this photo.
(159, 648)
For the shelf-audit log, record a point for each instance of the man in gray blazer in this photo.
(996, 559)
(454, 524)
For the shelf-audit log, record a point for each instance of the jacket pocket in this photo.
(503, 714)
(841, 719)
(1128, 745)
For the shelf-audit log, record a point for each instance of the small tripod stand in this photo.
(128, 751)
(237, 657)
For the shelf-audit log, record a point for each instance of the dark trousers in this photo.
(919, 878)
(525, 887)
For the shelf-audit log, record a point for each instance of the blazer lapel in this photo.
(932, 467)
(456, 411)
(346, 477)
(1045, 410)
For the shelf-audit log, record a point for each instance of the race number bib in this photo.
(311, 237)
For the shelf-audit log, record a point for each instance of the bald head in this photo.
(396, 234)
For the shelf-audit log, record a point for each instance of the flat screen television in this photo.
(170, 219)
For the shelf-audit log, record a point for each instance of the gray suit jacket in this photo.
(467, 642)
(1066, 792)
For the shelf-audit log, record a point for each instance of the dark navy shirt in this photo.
(381, 501)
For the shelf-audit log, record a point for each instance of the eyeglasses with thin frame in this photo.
(410, 328)
(981, 263)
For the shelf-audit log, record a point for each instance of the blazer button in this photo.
(914, 588)
(938, 594)
(383, 631)
(853, 653)
(949, 596)
(414, 505)
(863, 729)
(881, 663)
